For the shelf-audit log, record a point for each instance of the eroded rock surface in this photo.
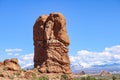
(10, 64)
(51, 44)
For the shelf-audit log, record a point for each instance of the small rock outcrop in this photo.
(82, 73)
(51, 44)
(104, 73)
(10, 64)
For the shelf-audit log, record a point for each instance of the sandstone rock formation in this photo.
(51, 44)
(11, 64)
(104, 73)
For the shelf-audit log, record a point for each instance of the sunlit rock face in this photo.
(10, 64)
(51, 44)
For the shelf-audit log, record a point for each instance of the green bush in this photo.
(64, 77)
(77, 78)
(88, 78)
(16, 74)
(114, 78)
(33, 75)
(83, 78)
(43, 78)
(92, 79)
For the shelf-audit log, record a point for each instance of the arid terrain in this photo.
(7, 73)
(51, 59)
(97, 77)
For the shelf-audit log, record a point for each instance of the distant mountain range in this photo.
(96, 69)
(114, 68)
(28, 67)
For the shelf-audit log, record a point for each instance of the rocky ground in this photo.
(10, 70)
(27, 75)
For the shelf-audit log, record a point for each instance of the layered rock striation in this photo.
(51, 44)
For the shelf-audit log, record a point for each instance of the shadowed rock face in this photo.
(51, 44)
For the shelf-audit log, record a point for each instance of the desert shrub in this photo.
(33, 75)
(64, 77)
(83, 78)
(57, 77)
(77, 78)
(114, 78)
(43, 78)
(92, 78)
(17, 74)
(87, 78)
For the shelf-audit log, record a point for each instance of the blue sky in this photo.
(92, 25)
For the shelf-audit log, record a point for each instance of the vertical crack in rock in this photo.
(51, 44)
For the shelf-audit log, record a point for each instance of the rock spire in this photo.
(51, 44)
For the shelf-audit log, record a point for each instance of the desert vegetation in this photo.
(98, 77)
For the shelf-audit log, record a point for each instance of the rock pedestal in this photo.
(51, 44)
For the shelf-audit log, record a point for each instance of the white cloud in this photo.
(13, 50)
(26, 60)
(10, 54)
(117, 56)
(27, 56)
(16, 54)
(83, 58)
(88, 59)
(85, 65)
(27, 65)
(13, 54)
(114, 49)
